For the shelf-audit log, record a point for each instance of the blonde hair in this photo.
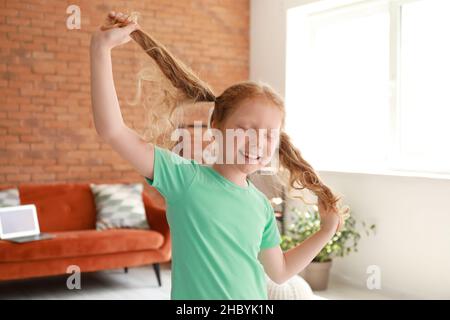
(189, 88)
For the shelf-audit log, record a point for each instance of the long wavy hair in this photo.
(180, 85)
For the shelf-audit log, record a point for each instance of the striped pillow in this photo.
(9, 197)
(119, 206)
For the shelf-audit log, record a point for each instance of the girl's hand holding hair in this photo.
(281, 266)
(115, 31)
(108, 119)
(332, 219)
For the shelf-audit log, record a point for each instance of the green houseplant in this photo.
(343, 243)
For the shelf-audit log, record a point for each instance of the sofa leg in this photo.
(125, 269)
(158, 275)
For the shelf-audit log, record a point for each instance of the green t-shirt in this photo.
(217, 230)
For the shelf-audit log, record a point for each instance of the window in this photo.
(366, 84)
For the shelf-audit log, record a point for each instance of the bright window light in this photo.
(425, 85)
(366, 85)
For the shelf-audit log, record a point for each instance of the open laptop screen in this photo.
(18, 221)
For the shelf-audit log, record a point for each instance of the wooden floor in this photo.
(139, 283)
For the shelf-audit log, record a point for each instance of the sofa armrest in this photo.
(156, 217)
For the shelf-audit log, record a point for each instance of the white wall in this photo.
(412, 246)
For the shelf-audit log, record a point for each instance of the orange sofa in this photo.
(68, 211)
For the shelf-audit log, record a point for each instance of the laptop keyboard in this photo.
(42, 236)
(35, 237)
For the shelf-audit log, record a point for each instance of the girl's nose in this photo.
(255, 149)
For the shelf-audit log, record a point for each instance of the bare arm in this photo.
(281, 266)
(108, 119)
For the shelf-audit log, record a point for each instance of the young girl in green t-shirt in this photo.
(223, 230)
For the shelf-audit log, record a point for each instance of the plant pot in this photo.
(317, 275)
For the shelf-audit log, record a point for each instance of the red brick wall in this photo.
(46, 129)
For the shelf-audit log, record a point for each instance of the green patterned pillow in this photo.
(119, 206)
(9, 198)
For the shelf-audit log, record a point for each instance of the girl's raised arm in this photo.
(108, 119)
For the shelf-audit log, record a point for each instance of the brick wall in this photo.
(46, 130)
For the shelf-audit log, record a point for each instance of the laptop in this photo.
(20, 224)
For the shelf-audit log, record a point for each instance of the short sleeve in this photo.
(172, 174)
(271, 235)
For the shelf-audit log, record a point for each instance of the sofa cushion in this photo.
(81, 243)
(119, 206)
(9, 197)
(61, 206)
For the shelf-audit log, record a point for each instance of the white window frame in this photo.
(396, 164)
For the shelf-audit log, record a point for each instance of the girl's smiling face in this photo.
(250, 134)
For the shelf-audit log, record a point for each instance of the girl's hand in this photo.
(330, 220)
(116, 30)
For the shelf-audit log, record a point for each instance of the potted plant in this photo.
(343, 243)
